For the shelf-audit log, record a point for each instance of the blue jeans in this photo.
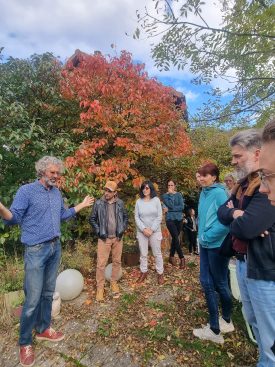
(214, 281)
(41, 266)
(258, 300)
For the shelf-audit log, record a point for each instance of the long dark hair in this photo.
(152, 189)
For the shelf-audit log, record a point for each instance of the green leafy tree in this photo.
(240, 52)
(35, 120)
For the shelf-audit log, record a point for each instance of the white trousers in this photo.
(155, 242)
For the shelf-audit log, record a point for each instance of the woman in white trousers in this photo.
(148, 216)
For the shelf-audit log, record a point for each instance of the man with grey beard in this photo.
(252, 221)
(38, 208)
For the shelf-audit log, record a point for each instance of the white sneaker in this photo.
(226, 327)
(206, 333)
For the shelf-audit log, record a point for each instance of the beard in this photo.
(50, 182)
(242, 172)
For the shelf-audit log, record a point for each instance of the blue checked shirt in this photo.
(39, 212)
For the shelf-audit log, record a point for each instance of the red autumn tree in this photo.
(126, 117)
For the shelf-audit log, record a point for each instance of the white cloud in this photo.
(62, 26)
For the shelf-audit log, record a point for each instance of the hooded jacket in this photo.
(211, 231)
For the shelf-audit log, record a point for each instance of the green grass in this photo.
(158, 333)
(128, 298)
(147, 355)
(12, 276)
(211, 354)
(76, 362)
(105, 328)
(157, 306)
(191, 264)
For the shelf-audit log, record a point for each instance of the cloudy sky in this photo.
(62, 26)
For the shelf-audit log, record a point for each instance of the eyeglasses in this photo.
(171, 185)
(108, 190)
(146, 188)
(264, 177)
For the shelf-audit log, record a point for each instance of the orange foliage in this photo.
(124, 117)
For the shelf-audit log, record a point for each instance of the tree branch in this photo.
(216, 30)
(236, 112)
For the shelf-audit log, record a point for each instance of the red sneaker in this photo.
(26, 356)
(51, 335)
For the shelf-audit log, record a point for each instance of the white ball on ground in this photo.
(108, 272)
(69, 284)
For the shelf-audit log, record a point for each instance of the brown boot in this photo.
(160, 279)
(172, 260)
(100, 295)
(142, 277)
(182, 263)
(114, 288)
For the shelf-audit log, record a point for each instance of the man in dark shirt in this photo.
(39, 209)
(109, 220)
(252, 225)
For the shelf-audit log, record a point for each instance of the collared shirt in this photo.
(39, 211)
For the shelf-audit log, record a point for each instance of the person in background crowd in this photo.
(252, 225)
(191, 227)
(184, 235)
(148, 216)
(229, 181)
(38, 208)
(267, 162)
(198, 178)
(173, 205)
(109, 220)
(213, 266)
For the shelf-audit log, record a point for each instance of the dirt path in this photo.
(148, 325)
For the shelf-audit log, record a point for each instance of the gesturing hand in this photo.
(88, 201)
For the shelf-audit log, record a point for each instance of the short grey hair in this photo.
(248, 139)
(45, 162)
(230, 175)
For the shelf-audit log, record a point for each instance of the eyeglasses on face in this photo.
(264, 177)
(146, 188)
(171, 185)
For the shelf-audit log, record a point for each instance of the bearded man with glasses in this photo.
(251, 218)
(109, 220)
(267, 162)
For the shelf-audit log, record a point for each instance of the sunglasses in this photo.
(146, 188)
(107, 190)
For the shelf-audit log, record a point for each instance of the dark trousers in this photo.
(174, 227)
(214, 280)
(192, 238)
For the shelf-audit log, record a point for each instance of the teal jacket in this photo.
(211, 231)
(175, 205)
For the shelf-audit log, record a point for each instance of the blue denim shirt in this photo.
(39, 212)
